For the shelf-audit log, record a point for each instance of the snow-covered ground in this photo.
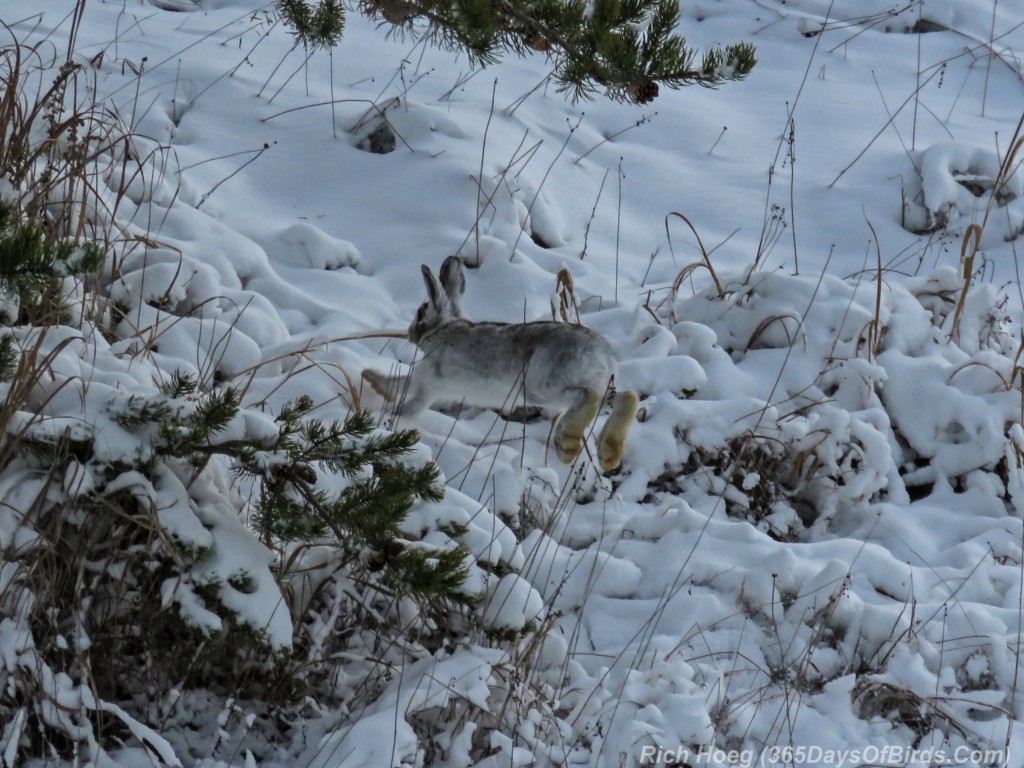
(812, 554)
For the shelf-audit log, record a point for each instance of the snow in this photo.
(511, 604)
(818, 522)
(376, 739)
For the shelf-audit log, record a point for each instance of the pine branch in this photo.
(625, 47)
(31, 261)
(314, 28)
(431, 575)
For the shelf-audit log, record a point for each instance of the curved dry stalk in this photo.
(767, 323)
(971, 242)
(971, 363)
(968, 250)
(700, 244)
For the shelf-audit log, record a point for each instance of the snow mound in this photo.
(958, 184)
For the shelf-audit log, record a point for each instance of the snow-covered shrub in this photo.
(127, 568)
(51, 132)
(861, 414)
(349, 489)
(33, 264)
(134, 495)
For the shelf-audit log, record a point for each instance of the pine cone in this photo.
(397, 13)
(538, 42)
(643, 91)
(394, 11)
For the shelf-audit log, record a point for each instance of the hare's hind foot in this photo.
(568, 447)
(574, 422)
(612, 442)
(387, 387)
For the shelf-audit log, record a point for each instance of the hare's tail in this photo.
(612, 442)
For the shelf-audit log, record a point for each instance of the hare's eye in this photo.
(421, 312)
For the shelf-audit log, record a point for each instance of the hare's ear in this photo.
(453, 279)
(434, 291)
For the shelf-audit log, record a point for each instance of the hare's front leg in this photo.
(388, 387)
(419, 395)
(574, 422)
(415, 393)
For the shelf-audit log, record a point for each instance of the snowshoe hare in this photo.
(556, 366)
